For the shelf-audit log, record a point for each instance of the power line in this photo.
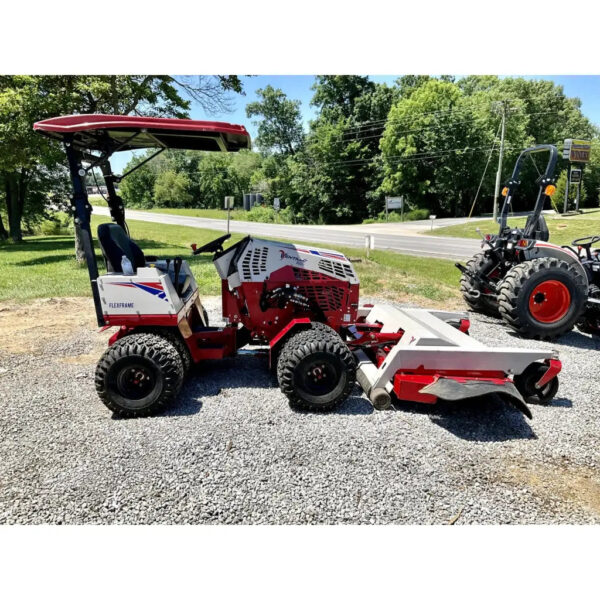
(485, 170)
(435, 112)
(413, 157)
(418, 129)
(375, 123)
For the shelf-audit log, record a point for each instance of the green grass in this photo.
(44, 266)
(563, 229)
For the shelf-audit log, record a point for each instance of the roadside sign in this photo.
(228, 202)
(276, 203)
(577, 150)
(394, 202)
(575, 175)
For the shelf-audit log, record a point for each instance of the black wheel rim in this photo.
(318, 376)
(135, 381)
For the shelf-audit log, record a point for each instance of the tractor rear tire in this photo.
(480, 263)
(542, 298)
(139, 375)
(315, 369)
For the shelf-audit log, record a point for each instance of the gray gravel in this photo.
(232, 451)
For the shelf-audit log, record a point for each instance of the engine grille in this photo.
(307, 275)
(326, 297)
(342, 271)
(255, 262)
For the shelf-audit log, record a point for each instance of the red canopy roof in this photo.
(121, 132)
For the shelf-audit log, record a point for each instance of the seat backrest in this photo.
(540, 231)
(115, 244)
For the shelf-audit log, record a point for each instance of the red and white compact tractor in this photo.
(300, 302)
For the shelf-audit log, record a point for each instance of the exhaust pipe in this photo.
(475, 294)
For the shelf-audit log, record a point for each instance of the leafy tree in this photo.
(430, 145)
(29, 164)
(280, 128)
(335, 176)
(336, 95)
(591, 174)
(171, 189)
(137, 189)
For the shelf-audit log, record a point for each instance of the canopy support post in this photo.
(115, 203)
(82, 211)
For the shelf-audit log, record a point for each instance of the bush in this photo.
(267, 214)
(58, 224)
(417, 214)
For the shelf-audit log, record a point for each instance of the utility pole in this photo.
(500, 157)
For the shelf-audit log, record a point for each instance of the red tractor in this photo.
(301, 302)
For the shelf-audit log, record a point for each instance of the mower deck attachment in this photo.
(434, 357)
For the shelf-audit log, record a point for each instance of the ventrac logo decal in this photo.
(156, 289)
(285, 255)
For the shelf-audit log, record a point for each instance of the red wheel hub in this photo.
(549, 301)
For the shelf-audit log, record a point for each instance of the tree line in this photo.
(432, 140)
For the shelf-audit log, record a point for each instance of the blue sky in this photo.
(297, 87)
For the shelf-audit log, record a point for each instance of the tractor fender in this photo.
(546, 249)
(276, 342)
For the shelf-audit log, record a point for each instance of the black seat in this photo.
(115, 244)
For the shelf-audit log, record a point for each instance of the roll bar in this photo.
(543, 180)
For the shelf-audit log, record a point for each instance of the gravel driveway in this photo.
(232, 451)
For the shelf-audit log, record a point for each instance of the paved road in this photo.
(406, 241)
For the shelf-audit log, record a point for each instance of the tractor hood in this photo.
(111, 133)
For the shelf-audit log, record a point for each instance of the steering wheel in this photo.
(586, 244)
(592, 239)
(214, 246)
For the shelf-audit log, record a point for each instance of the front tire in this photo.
(315, 369)
(542, 298)
(139, 375)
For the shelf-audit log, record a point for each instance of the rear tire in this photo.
(480, 263)
(315, 369)
(139, 375)
(542, 298)
(174, 337)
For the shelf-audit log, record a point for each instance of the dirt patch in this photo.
(24, 328)
(563, 483)
(85, 359)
